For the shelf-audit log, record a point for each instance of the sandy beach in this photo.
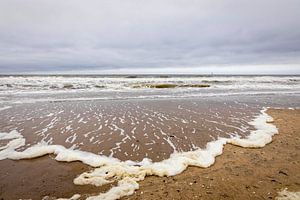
(239, 173)
(149, 100)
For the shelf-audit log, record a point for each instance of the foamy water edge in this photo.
(129, 173)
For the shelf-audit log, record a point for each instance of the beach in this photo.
(149, 100)
(111, 137)
(239, 173)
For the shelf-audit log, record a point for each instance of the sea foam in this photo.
(128, 173)
(287, 195)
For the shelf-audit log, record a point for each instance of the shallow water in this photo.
(133, 123)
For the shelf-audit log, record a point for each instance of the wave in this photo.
(129, 173)
(40, 83)
(5, 108)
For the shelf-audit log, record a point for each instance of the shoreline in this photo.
(239, 173)
(146, 191)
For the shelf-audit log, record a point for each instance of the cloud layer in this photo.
(139, 35)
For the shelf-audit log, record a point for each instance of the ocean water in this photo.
(41, 88)
(131, 126)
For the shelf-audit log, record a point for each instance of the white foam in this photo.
(261, 136)
(31, 89)
(286, 195)
(16, 140)
(128, 173)
(74, 197)
(125, 187)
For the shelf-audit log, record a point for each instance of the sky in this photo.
(150, 36)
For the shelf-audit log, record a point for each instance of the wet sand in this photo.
(130, 130)
(238, 173)
(40, 177)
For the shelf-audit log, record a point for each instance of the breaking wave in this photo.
(66, 83)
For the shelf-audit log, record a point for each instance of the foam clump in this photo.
(128, 173)
(125, 187)
(286, 195)
(16, 140)
(259, 137)
(62, 154)
(74, 197)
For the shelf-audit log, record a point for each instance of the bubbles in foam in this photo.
(16, 140)
(74, 197)
(287, 195)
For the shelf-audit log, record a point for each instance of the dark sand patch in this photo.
(36, 178)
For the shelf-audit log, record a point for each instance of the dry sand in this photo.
(238, 173)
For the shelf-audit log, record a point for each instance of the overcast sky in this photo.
(150, 36)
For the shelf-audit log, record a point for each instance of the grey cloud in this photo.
(70, 35)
